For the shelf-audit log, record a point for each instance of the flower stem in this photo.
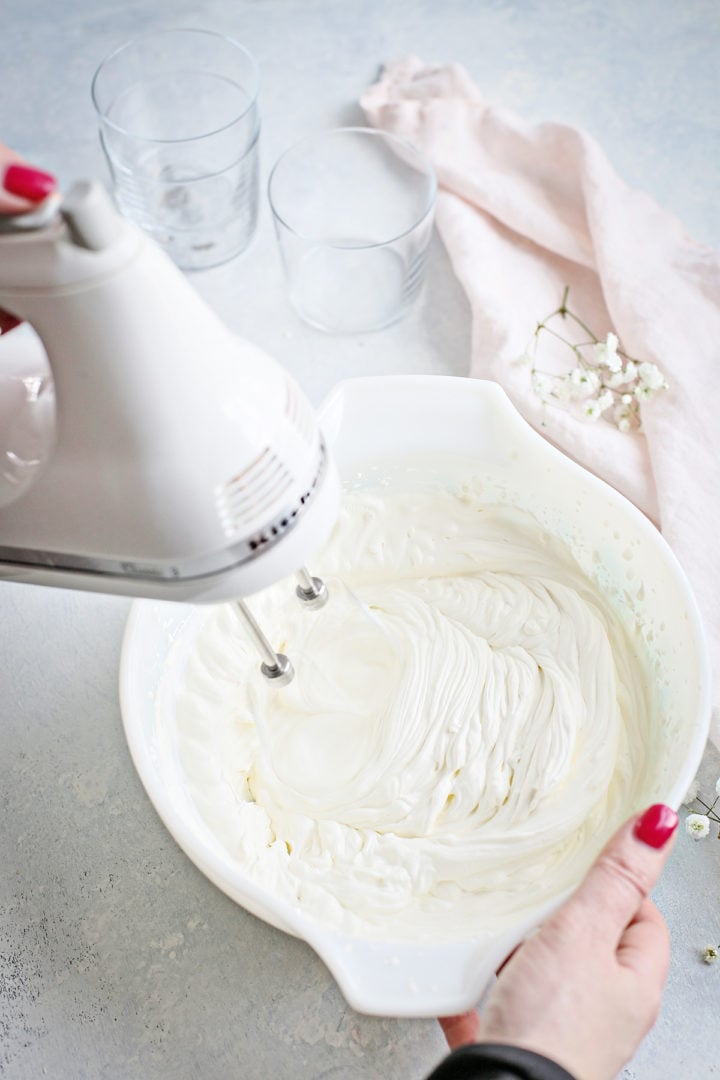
(598, 382)
(581, 324)
(575, 349)
(709, 810)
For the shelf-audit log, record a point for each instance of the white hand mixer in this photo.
(187, 464)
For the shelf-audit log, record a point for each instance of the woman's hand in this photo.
(22, 186)
(586, 988)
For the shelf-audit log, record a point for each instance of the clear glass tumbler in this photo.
(353, 211)
(179, 124)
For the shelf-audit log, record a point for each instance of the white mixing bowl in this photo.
(380, 421)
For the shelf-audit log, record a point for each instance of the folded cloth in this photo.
(526, 210)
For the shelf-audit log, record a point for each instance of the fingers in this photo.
(22, 186)
(645, 946)
(461, 1030)
(465, 1028)
(7, 321)
(623, 874)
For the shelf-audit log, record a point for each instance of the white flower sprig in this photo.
(698, 823)
(604, 381)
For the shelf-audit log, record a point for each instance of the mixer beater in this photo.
(276, 667)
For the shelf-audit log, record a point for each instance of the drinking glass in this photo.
(179, 124)
(353, 212)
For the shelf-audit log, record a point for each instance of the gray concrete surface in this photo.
(118, 960)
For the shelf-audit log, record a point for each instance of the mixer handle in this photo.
(87, 210)
(33, 220)
(90, 216)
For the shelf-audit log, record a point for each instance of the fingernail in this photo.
(28, 183)
(8, 322)
(656, 825)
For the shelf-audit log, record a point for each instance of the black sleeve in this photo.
(492, 1061)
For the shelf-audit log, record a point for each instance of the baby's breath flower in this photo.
(542, 385)
(584, 382)
(604, 382)
(697, 825)
(605, 353)
(651, 376)
(562, 389)
(643, 392)
(591, 409)
(622, 415)
(623, 377)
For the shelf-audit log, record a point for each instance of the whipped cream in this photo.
(470, 719)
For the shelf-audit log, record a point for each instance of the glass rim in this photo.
(105, 119)
(354, 130)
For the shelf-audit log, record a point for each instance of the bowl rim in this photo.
(335, 948)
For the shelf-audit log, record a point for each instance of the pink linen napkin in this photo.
(525, 210)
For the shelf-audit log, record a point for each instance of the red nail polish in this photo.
(28, 183)
(656, 825)
(8, 322)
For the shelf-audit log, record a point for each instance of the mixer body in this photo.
(186, 463)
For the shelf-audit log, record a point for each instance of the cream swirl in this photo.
(469, 720)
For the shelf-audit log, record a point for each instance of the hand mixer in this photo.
(187, 464)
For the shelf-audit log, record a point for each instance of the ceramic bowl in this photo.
(372, 424)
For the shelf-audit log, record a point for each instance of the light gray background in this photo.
(118, 959)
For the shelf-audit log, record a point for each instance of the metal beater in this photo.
(276, 667)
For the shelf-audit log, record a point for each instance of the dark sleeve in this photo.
(492, 1061)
